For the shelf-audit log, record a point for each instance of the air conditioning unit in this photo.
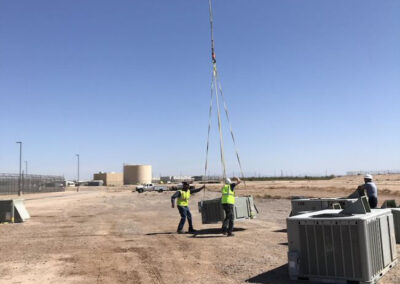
(13, 210)
(212, 211)
(396, 221)
(303, 205)
(337, 247)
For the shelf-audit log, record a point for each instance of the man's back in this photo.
(371, 189)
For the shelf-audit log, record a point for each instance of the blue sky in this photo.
(311, 85)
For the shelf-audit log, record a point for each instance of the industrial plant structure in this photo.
(110, 179)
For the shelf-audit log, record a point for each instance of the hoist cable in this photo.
(216, 86)
(215, 82)
(209, 129)
(221, 139)
(231, 131)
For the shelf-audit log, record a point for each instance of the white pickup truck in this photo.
(151, 187)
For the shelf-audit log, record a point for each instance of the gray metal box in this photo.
(315, 204)
(327, 246)
(212, 211)
(13, 210)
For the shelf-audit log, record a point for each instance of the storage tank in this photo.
(137, 174)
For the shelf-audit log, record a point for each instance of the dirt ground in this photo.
(113, 235)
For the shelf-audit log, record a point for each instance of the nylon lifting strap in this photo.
(216, 86)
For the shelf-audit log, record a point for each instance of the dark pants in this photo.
(373, 201)
(185, 213)
(227, 225)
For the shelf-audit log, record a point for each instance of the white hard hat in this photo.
(228, 181)
(368, 176)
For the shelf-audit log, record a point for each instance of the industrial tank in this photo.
(137, 174)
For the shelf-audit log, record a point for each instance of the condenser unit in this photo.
(336, 247)
(13, 210)
(303, 205)
(396, 221)
(212, 211)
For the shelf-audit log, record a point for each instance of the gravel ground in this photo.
(116, 236)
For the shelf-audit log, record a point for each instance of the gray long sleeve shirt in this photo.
(371, 189)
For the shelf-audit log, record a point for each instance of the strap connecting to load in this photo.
(216, 87)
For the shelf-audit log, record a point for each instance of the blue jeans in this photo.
(373, 201)
(185, 213)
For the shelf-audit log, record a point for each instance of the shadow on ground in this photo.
(214, 231)
(280, 231)
(203, 232)
(161, 233)
(277, 275)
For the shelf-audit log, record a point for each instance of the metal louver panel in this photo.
(374, 237)
(330, 250)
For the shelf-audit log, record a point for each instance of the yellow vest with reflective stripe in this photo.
(183, 200)
(228, 196)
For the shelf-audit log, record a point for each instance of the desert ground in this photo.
(114, 235)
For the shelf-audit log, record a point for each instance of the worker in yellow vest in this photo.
(228, 203)
(183, 196)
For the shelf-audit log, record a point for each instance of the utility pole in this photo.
(20, 169)
(77, 190)
(26, 167)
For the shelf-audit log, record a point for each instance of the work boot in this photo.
(230, 234)
(192, 231)
(180, 232)
(224, 232)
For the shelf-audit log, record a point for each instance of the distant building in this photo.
(176, 179)
(182, 178)
(382, 172)
(110, 179)
(166, 179)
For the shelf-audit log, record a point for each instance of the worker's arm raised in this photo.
(238, 180)
(197, 189)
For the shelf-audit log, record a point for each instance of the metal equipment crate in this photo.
(13, 211)
(303, 205)
(212, 211)
(331, 246)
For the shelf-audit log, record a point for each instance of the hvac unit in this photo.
(332, 246)
(212, 211)
(396, 221)
(303, 205)
(13, 210)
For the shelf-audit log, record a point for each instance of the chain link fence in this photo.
(9, 183)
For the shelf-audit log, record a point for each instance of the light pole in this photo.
(77, 190)
(20, 169)
(26, 167)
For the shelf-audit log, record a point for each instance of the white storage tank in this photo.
(137, 174)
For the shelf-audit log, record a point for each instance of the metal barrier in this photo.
(9, 183)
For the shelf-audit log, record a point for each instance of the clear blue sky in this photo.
(311, 85)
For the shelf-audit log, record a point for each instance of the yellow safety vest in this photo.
(228, 196)
(183, 200)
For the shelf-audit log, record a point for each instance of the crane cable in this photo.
(231, 131)
(216, 86)
(208, 135)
